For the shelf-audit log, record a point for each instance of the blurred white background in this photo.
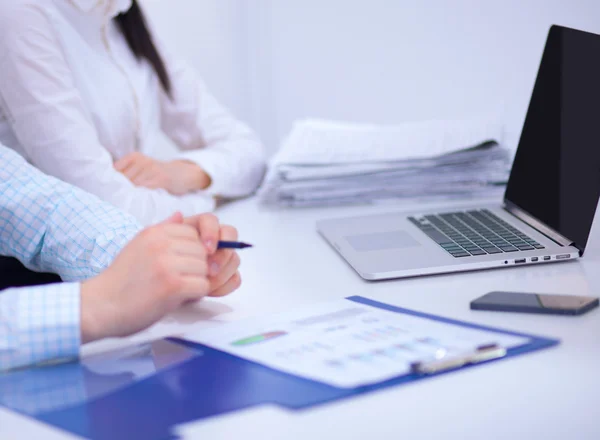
(382, 61)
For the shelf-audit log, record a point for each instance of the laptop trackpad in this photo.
(381, 241)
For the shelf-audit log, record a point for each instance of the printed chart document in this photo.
(346, 344)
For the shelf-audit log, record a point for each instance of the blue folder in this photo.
(145, 391)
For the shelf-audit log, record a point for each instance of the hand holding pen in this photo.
(222, 259)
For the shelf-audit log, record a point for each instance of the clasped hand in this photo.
(178, 177)
(163, 267)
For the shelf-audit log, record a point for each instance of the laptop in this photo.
(550, 199)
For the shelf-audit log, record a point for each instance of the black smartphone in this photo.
(534, 303)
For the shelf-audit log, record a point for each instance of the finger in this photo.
(186, 265)
(232, 284)
(135, 169)
(219, 260)
(182, 232)
(132, 159)
(153, 182)
(176, 218)
(208, 227)
(148, 184)
(228, 233)
(225, 273)
(194, 288)
(148, 173)
(190, 249)
(156, 183)
(124, 162)
(222, 257)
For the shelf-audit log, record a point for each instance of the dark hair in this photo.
(135, 30)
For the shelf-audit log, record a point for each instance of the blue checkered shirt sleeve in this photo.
(39, 324)
(50, 226)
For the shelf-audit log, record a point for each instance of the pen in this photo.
(232, 245)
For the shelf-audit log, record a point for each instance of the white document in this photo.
(334, 163)
(315, 142)
(346, 344)
(462, 161)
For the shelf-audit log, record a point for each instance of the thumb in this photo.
(176, 218)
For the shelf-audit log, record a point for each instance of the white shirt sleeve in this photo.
(209, 134)
(41, 100)
(39, 324)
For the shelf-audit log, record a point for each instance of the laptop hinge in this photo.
(538, 225)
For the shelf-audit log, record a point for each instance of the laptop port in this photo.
(547, 258)
(520, 261)
(534, 259)
(563, 257)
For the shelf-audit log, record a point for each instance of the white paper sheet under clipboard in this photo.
(348, 344)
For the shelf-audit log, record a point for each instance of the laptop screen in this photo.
(556, 173)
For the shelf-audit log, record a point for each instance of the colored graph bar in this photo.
(258, 338)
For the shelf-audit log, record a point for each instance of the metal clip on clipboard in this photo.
(481, 354)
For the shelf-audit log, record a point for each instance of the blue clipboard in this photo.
(146, 391)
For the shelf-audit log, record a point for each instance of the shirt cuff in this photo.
(208, 160)
(47, 325)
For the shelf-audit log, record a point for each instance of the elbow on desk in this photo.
(248, 177)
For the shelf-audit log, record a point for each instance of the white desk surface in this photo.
(552, 394)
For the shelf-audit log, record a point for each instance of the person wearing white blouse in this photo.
(86, 88)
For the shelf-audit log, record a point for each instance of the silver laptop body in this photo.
(550, 199)
(391, 246)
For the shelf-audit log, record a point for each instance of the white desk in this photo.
(553, 394)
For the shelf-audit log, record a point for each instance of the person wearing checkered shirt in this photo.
(118, 279)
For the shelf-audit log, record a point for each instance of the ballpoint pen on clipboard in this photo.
(480, 354)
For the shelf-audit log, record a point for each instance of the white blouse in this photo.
(73, 99)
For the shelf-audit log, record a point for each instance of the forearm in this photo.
(210, 135)
(39, 324)
(235, 169)
(51, 226)
(49, 323)
(225, 148)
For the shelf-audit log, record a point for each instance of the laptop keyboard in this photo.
(474, 233)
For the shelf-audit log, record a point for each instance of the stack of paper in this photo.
(331, 163)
